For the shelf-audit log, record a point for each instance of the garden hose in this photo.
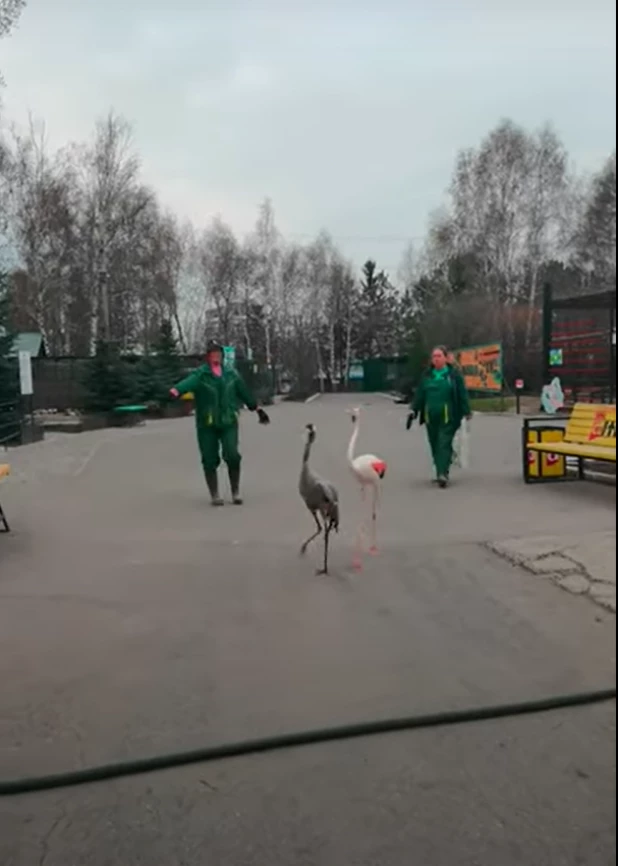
(302, 738)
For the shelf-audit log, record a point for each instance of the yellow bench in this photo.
(590, 434)
(5, 470)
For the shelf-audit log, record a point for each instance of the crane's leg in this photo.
(373, 550)
(306, 544)
(324, 569)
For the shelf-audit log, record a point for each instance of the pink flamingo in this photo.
(369, 471)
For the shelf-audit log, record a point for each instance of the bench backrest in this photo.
(592, 424)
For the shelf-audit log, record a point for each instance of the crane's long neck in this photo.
(352, 445)
(307, 452)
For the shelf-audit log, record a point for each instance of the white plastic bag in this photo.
(461, 446)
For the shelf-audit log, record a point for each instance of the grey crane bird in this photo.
(321, 498)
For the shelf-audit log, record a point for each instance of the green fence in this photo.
(384, 374)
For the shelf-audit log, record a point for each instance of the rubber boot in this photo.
(234, 474)
(213, 488)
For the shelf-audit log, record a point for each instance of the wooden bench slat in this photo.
(583, 438)
(586, 425)
(573, 449)
(590, 434)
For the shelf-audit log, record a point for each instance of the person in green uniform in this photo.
(441, 403)
(219, 395)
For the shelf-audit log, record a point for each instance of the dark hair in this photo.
(442, 349)
(213, 346)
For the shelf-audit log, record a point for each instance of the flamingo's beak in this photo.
(380, 468)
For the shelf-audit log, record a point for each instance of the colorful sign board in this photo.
(481, 367)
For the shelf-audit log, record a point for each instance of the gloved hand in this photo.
(262, 416)
(411, 419)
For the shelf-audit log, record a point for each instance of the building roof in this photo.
(596, 301)
(29, 341)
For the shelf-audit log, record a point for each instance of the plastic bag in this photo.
(461, 446)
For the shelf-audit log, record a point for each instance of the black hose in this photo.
(302, 738)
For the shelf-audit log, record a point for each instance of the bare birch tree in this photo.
(10, 10)
(221, 266)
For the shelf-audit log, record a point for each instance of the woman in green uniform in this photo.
(219, 395)
(441, 403)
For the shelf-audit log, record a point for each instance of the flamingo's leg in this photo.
(357, 561)
(373, 550)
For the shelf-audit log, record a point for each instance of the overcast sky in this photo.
(348, 114)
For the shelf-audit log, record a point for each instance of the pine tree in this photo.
(167, 354)
(9, 377)
(108, 380)
(161, 371)
(376, 311)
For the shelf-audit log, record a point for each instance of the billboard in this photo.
(481, 367)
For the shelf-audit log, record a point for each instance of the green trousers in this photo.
(441, 435)
(215, 442)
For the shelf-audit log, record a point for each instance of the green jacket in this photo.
(218, 399)
(445, 400)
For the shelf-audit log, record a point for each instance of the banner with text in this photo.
(481, 367)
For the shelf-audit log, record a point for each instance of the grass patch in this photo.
(492, 404)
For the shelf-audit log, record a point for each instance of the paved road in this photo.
(136, 619)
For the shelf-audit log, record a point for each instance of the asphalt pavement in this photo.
(136, 619)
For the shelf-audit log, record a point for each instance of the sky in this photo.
(348, 114)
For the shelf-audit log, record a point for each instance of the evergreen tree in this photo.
(9, 376)
(108, 380)
(376, 312)
(160, 372)
(167, 354)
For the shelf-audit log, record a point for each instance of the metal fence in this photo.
(579, 344)
(59, 382)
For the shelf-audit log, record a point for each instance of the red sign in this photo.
(519, 384)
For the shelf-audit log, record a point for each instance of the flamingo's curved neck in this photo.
(352, 444)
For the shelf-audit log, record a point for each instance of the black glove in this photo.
(262, 416)
(411, 419)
